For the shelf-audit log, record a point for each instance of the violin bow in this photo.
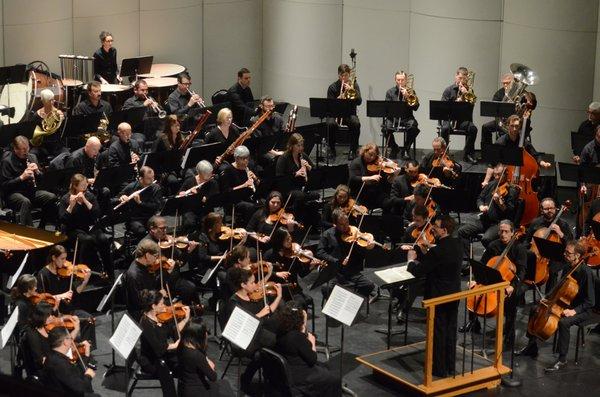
(301, 244)
(74, 262)
(422, 231)
(497, 186)
(261, 274)
(73, 347)
(281, 211)
(160, 270)
(362, 217)
(359, 192)
(174, 234)
(232, 223)
(443, 154)
(173, 311)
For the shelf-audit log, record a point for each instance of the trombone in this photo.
(156, 107)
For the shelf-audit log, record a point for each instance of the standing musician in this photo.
(455, 92)
(169, 140)
(334, 250)
(50, 281)
(517, 254)
(400, 93)
(140, 99)
(142, 204)
(402, 188)
(124, 151)
(60, 373)
(156, 335)
(512, 139)
(139, 276)
(205, 185)
(487, 129)
(105, 61)
(579, 309)
(589, 125)
(560, 227)
(496, 201)
(340, 89)
(225, 132)
(78, 212)
(274, 127)
(376, 187)
(94, 103)
(19, 172)
(441, 268)
(237, 176)
(50, 145)
(440, 159)
(182, 99)
(240, 96)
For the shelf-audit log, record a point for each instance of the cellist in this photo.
(578, 311)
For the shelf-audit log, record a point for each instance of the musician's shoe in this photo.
(351, 155)
(401, 316)
(375, 297)
(472, 326)
(557, 366)
(595, 330)
(530, 350)
(470, 159)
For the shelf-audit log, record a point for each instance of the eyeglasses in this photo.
(188, 83)
(548, 209)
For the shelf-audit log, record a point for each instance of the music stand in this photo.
(134, 66)
(113, 176)
(76, 125)
(496, 109)
(208, 152)
(134, 117)
(494, 154)
(12, 75)
(579, 141)
(388, 110)
(579, 174)
(451, 200)
(550, 249)
(450, 110)
(163, 162)
(181, 205)
(9, 131)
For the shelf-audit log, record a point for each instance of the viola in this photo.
(384, 165)
(178, 310)
(78, 351)
(67, 321)
(423, 236)
(43, 297)
(363, 239)
(285, 218)
(261, 267)
(353, 209)
(445, 162)
(269, 290)
(77, 271)
(303, 255)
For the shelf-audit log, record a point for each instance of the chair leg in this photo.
(132, 387)
(227, 366)
(555, 342)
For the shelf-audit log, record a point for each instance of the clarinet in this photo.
(33, 176)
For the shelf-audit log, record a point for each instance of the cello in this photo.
(541, 263)
(523, 176)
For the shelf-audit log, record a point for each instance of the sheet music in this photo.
(185, 157)
(240, 328)
(9, 327)
(343, 305)
(12, 279)
(394, 274)
(125, 337)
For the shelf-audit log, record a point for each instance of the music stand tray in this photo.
(496, 109)
(494, 154)
(332, 107)
(9, 131)
(389, 110)
(134, 66)
(450, 110)
(549, 249)
(579, 173)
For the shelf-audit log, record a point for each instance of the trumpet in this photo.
(200, 102)
(156, 107)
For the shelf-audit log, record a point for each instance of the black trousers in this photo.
(564, 332)
(412, 130)
(474, 226)
(358, 282)
(444, 339)
(92, 243)
(470, 134)
(353, 124)
(487, 131)
(23, 205)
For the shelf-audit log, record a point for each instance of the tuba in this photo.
(49, 126)
(411, 98)
(523, 77)
(469, 96)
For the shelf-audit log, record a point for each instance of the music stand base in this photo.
(508, 381)
(347, 391)
(113, 369)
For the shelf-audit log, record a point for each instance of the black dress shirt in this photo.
(10, 170)
(216, 136)
(178, 103)
(105, 65)
(81, 218)
(119, 152)
(587, 127)
(494, 213)
(63, 376)
(82, 163)
(39, 349)
(585, 298)
(154, 343)
(151, 200)
(334, 250)
(86, 107)
(239, 98)
(335, 88)
(197, 378)
(287, 167)
(505, 140)
(138, 279)
(590, 155)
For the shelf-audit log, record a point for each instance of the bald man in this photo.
(83, 160)
(124, 150)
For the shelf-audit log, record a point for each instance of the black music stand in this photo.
(131, 67)
(494, 154)
(163, 162)
(12, 75)
(550, 249)
(56, 180)
(579, 140)
(208, 152)
(181, 205)
(450, 200)
(76, 125)
(389, 110)
(450, 111)
(9, 131)
(113, 177)
(324, 108)
(496, 109)
(134, 117)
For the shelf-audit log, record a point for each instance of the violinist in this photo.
(169, 140)
(140, 277)
(24, 288)
(420, 216)
(60, 373)
(334, 250)
(561, 228)
(263, 221)
(141, 204)
(78, 212)
(441, 268)
(238, 257)
(421, 196)
(496, 201)
(211, 249)
(517, 254)
(376, 187)
(440, 159)
(156, 336)
(340, 199)
(402, 188)
(50, 281)
(578, 311)
(399, 93)
(205, 185)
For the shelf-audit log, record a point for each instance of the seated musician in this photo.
(561, 228)
(238, 176)
(185, 289)
(399, 93)
(25, 287)
(60, 373)
(67, 291)
(156, 336)
(298, 346)
(105, 61)
(517, 254)
(339, 89)
(578, 310)
(273, 127)
(236, 258)
(491, 127)
(19, 172)
(83, 160)
(141, 204)
(264, 220)
(169, 140)
(140, 99)
(593, 119)
(455, 93)
(240, 96)
(340, 199)
(211, 249)
(401, 192)
(205, 185)
(198, 376)
(334, 250)
(124, 151)
(94, 103)
(78, 212)
(590, 154)
(496, 201)
(376, 187)
(421, 196)
(225, 132)
(140, 275)
(182, 100)
(440, 159)
(51, 144)
(594, 209)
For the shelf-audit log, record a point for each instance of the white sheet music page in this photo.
(12, 279)
(394, 274)
(343, 305)
(125, 337)
(9, 327)
(240, 328)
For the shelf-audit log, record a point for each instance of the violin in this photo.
(353, 209)
(78, 271)
(178, 310)
(363, 239)
(285, 218)
(78, 351)
(180, 242)
(303, 255)
(261, 267)
(445, 162)
(269, 290)
(384, 165)
(163, 262)
(229, 233)
(423, 236)
(423, 179)
(67, 321)
(43, 297)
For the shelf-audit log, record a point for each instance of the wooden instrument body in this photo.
(523, 176)
(541, 263)
(483, 305)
